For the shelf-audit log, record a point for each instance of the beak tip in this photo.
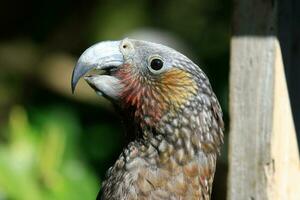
(73, 90)
(73, 82)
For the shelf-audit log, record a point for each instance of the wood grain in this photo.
(263, 152)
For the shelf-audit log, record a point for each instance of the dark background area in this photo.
(53, 143)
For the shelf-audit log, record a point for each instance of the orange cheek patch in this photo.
(152, 97)
(178, 85)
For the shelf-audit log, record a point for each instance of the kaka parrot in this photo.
(168, 104)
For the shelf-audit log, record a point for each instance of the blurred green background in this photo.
(55, 145)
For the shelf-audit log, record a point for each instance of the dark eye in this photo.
(156, 64)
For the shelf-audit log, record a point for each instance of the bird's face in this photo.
(149, 78)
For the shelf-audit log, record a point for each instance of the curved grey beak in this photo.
(102, 56)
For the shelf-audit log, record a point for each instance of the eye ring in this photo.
(155, 64)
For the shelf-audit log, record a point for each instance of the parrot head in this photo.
(151, 80)
(167, 99)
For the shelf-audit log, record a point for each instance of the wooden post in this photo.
(263, 153)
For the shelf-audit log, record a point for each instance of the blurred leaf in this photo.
(114, 20)
(40, 161)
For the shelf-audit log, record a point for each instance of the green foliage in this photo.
(40, 160)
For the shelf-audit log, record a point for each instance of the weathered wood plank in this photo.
(284, 179)
(263, 152)
(251, 110)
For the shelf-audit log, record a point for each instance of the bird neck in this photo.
(178, 139)
(182, 133)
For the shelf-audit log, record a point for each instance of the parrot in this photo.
(167, 104)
